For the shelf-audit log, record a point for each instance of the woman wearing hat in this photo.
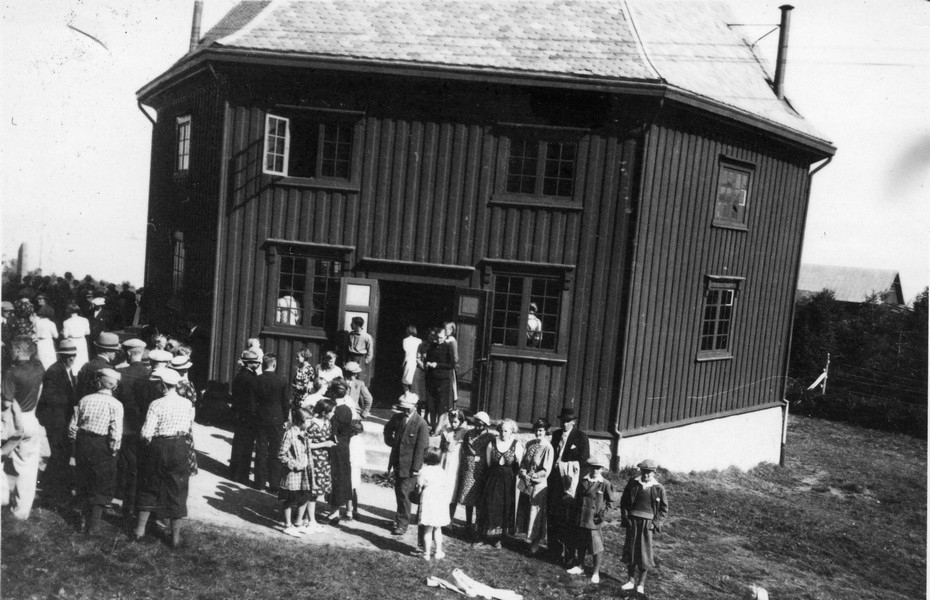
(164, 469)
(182, 364)
(643, 509)
(534, 473)
(471, 473)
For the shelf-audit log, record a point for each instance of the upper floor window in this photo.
(733, 188)
(526, 311)
(541, 167)
(717, 319)
(183, 130)
(310, 145)
(177, 265)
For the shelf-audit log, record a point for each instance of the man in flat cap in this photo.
(643, 510)
(54, 411)
(135, 392)
(106, 344)
(97, 431)
(408, 436)
(244, 390)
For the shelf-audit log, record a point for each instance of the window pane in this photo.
(521, 166)
(545, 300)
(715, 327)
(505, 320)
(559, 169)
(291, 290)
(732, 195)
(325, 294)
(275, 144)
(336, 150)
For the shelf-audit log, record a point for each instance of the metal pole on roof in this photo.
(782, 59)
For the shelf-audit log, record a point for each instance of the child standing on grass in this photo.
(594, 496)
(434, 502)
(643, 510)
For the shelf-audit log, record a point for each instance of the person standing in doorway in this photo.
(439, 366)
(361, 347)
(411, 348)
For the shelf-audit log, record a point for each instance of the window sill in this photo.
(288, 331)
(530, 201)
(730, 225)
(528, 355)
(312, 182)
(711, 356)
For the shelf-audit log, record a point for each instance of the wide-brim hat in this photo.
(181, 362)
(249, 356)
(648, 465)
(408, 400)
(168, 376)
(352, 367)
(67, 347)
(161, 356)
(482, 417)
(567, 414)
(107, 341)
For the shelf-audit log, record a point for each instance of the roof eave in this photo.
(201, 59)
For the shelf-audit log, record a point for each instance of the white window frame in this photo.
(183, 155)
(287, 144)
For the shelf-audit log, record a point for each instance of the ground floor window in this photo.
(526, 311)
(307, 292)
(717, 317)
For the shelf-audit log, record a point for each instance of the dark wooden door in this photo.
(472, 336)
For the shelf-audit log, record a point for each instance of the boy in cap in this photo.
(643, 510)
(593, 497)
(97, 430)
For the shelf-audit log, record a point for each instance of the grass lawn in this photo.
(845, 520)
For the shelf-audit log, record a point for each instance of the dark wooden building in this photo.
(607, 198)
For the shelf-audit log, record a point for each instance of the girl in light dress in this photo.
(411, 347)
(450, 444)
(46, 334)
(434, 502)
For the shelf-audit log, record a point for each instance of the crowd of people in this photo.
(125, 415)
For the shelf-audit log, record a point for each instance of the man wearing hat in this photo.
(643, 510)
(136, 392)
(571, 451)
(106, 344)
(21, 385)
(358, 391)
(272, 404)
(408, 436)
(243, 408)
(54, 411)
(97, 430)
(101, 319)
(164, 465)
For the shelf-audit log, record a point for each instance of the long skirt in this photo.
(342, 474)
(637, 547)
(531, 514)
(163, 477)
(450, 467)
(498, 504)
(95, 468)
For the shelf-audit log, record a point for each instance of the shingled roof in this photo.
(683, 45)
(851, 284)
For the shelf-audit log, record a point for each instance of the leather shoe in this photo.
(398, 531)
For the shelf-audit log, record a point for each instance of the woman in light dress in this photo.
(534, 472)
(411, 347)
(76, 328)
(450, 444)
(46, 334)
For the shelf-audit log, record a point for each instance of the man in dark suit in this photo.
(106, 344)
(243, 408)
(408, 436)
(56, 405)
(135, 391)
(571, 451)
(272, 400)
(101, 318)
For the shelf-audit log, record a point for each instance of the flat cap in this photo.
(648, 465)
(167, 376)
(157, 355)
(133, 343)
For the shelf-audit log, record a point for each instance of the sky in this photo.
(75, 148)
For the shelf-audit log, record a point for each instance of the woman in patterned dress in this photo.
(534, 473)
(471, 471)
(294, 488)
(319, 436)
(182, 364)
(498, 505)
(303, 378)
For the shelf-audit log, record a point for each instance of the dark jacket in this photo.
(592, 500)
(658, 501)
(408, 443)
(243, 394)
(136, 392)
(58, 398)
(272, 398)
(104, 321)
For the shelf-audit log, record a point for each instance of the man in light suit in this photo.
(408, 436)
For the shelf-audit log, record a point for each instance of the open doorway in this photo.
(402, 304)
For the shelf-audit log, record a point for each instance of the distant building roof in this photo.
(851, 284)
(683, 45)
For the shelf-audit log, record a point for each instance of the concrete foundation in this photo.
(741, 441)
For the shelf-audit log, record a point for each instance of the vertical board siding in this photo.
(677, 247)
